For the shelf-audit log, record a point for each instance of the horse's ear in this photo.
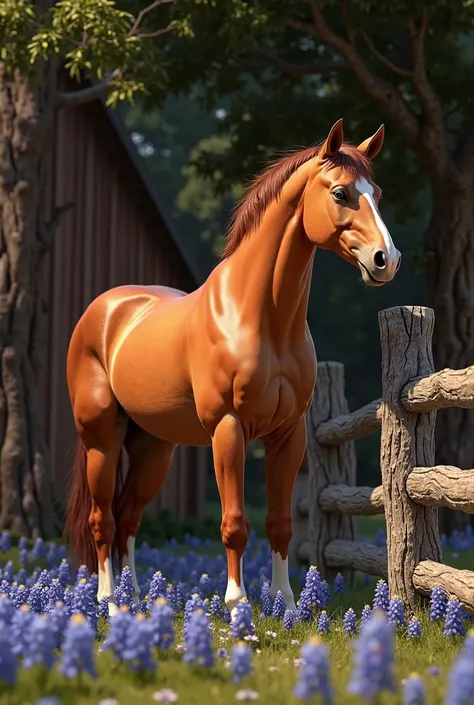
(372, 145)
(333, 141)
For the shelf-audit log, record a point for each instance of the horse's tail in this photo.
(76, 529)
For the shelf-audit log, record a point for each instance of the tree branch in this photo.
(378, 88)
(430, 105)
(85, 95)
(145, 11)
(383, 59)
(262, 58)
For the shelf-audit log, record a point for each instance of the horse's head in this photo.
(341, 207)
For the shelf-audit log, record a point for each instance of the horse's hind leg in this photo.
(102, 427)
(150, 461)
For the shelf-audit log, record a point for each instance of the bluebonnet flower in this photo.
(39, 549)
(137, 652)
(374, 658)
(83, 602)
(7, 609)
(205, 586)
(82, 573)
(266, 599)
(242, 624)
(414, 690)
(5, 542)
(37, 599)
(325, 593)
(314, 673)
(161, 623)
(414, 629)
(55, 591)
(193, 604)
(64, 573)
(198, 640)
(289, 619)
(215, 606)
(78, 648)
(157, 587)
(339, 586)
(396, 612)
(438, 604)
(349, 623)
(23, 556)
(59, 617)
(453, 620)
(8, 573)
(304, 607)
(313, 588)
(20, 596)
(381, 596)
(279, 606)
(23, 543)
(461, 677)
(103, 608)
(120, 626)
(8, 661)
(19, 626)
(51, 556)
(323, 623)
(124, 590)
(241, 662)
(41, 643)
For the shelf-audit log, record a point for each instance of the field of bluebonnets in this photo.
(57, 645)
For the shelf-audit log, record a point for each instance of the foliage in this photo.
(86, 35)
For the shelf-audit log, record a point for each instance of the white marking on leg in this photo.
(366, 190)
(129, 561)
(234, 592)
(106, 586)
(281, 580)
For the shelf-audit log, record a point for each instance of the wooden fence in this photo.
(326, 497)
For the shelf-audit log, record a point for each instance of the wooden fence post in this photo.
(407, 441)
(328, 465)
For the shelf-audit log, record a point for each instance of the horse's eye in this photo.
(340, 195)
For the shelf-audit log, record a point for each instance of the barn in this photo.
(117, 232)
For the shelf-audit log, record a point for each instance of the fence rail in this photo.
(326, 497)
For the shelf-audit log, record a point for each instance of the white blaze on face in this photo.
(366, 190)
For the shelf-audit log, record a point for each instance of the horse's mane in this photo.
(268, 185)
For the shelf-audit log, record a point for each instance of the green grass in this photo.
(274, 677)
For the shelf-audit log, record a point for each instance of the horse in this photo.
(150, 367)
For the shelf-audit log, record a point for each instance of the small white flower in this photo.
(165, 696)
(251, 637)
(273, 668)
(298, 662)
(295, 641)
(272, 634)
(247, 694)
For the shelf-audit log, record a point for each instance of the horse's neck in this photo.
(269, 276)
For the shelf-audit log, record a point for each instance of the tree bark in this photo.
(450, 268)
(26, 124)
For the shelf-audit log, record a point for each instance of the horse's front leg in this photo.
(229, 448)
(284, 453)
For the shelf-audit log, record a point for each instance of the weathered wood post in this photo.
(328, 465)
(407, 441)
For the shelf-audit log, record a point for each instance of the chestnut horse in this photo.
(151, 367)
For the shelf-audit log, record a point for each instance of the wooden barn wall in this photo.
(113, 236)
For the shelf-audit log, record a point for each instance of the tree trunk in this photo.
(26, 122)
(451, 294)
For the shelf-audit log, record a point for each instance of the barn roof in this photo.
(151, 189)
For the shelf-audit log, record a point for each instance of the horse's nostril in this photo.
(380, 259)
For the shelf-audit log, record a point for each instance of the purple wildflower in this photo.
(82, 574)
(124, 590)
(5, 542)
(59, 618)
(304, 607)
(23, 543)
(289, 619)
(414, 690)
(215, 606)
(78, 648)
(8, 661)
(137, 652)
(381, 596)
(373, 658)
(325, 593)
(221, 653)
(279, 606)
(193, 604)
(39, 549)
(8, 573)
(41, 643)
(241, 662)
(453, 620)
(242, 624)
(438, 604)
(323, 623)
(461, 678)
(314, 672)
(157, 587)
(103, 608)
(414, 629)
(396, 612)
(37, 599)
(198, 641)
(313, 587)
(83, 602)
(339, 587)
(64, 573)
(23, 555)
(20, 625)
(205, 586)
(120, 626)
(266, 599)
(7, 609)
(349, 623)
(161, 623)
